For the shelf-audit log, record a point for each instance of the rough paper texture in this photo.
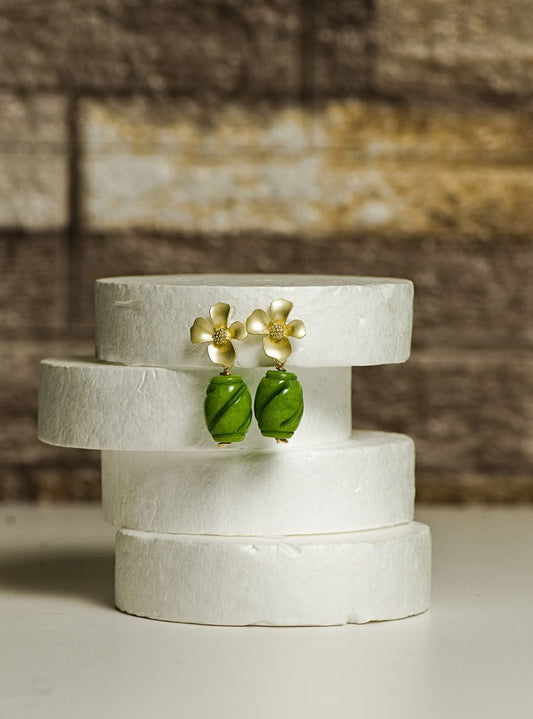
(94, 405)
(349, 320)
(313, 580)
(363, 483)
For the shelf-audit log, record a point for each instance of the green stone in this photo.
(227, 408)
(279, 404)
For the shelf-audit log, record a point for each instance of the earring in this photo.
(279, 403)
(228, 403)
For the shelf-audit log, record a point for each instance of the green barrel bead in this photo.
(227, 408)
(279, 404)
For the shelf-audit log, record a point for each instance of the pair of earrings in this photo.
(278, 404)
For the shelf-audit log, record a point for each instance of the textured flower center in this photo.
(221, 336)
(276, 331)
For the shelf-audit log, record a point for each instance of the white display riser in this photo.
(366, 482)
(97, 405)
(313, 580)
(350, 321)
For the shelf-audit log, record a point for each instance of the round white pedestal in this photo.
(365, 482)
(306, 580)
(97, 405)
(349, 320)
(255, 533)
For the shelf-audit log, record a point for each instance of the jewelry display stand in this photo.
(318, 531)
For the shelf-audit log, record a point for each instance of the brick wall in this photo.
(350, 136)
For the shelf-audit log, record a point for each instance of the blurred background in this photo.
(380, 137)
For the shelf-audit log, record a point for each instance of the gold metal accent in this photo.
(257, 323)
(201, 331)
(296, 329)
(215, 330)
(279, 310)
(219, 314)
(238, 331)
(276, 330)
(278, 350)
(221, 336)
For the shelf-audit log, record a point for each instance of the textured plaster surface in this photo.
(349, 320)
(362, 483)
(307, 580)
(94, 405)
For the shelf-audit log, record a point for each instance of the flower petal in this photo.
(201, 331)
(222, 354)
(279, 351)
(296, 329)
(279, 310)
(257, 323)
(219, 314)
(237, 331)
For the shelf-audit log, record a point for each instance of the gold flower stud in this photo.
(216, 331)
(276, 330)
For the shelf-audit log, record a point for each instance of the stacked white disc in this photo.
(319, 531)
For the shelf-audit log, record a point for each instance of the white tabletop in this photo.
(66, 652)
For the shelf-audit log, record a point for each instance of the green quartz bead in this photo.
(227, 408)
(279, 404)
